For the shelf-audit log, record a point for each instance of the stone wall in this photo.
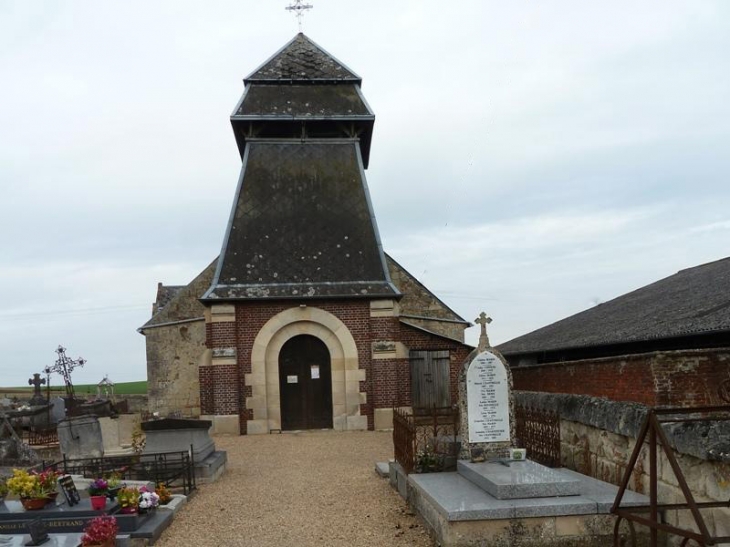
(173, 355)
(666, 378)
(598, 436)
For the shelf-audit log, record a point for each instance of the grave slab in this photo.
(522, 479)
(54, 540)
(458, 499)
(382, 469)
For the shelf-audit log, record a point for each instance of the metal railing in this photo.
(539, 432)
(427, 441)
(173, 469)
(652, 428)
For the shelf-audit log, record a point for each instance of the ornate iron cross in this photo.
(483, 321)
(299, 10)
(64, 366)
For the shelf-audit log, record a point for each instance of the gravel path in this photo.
(299, 489)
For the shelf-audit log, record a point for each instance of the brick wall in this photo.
(219, 393)
(387, 384)
(672, 378)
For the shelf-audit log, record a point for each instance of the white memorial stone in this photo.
(487, 393)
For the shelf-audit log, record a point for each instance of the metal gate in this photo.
(430, 386)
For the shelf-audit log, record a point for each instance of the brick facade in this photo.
(672, 378)
(223, 389)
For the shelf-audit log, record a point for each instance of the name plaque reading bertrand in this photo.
(487, 395)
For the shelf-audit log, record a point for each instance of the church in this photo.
(302, 321)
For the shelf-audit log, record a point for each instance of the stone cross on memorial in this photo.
(37, 382)
(486, 404)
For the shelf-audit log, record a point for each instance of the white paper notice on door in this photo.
(315, 372)
(294, 379)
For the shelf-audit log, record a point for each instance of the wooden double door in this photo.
(305, 384)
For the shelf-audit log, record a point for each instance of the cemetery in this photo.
(304, 327)
(612, 477)
(90, 468)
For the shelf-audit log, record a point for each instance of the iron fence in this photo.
(41, 436)
(176, 470)
(427, 441)
(539, 432)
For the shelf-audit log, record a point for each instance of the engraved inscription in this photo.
(487, 394)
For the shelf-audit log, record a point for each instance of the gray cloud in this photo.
(528, 160)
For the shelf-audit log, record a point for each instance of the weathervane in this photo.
(299, 8)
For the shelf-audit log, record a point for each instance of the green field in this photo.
(122, 388)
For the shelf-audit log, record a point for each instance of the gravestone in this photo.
(178, 435)
(486, 404)
(175, 434)
(58, 410)
(37, 382)
(80, 437)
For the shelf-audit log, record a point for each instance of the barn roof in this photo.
(690, 302)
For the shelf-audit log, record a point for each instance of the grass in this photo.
(122, 388)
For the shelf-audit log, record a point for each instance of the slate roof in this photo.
(692, 301)
(302, 226)
(302, 59)
(431, 332)
(298, 100)
(165, 293)
(183, 304)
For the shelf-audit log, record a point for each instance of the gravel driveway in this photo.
(313, 488)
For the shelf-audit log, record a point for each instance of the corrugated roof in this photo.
(302, 59)
(692, 301)
(302, 226)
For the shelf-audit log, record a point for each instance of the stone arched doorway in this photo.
(305, 384)
(264, 403)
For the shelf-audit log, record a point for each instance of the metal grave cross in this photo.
(299, 9)
(483, 321)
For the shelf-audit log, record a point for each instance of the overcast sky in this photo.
(529, 159)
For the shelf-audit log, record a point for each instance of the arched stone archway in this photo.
(264, 378)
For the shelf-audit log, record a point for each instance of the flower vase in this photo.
(128, 510)
(98, 502)
(33, 504)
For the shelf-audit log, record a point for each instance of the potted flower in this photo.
(128, 499)
(48, 480)
(164, 493)
(28, 488)
(148, 499)
(97, 494)
(114, 481)
(100, 531)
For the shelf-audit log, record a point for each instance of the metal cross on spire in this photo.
(299, 9)
(483, 321)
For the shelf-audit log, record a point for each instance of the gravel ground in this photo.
(299, 489)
